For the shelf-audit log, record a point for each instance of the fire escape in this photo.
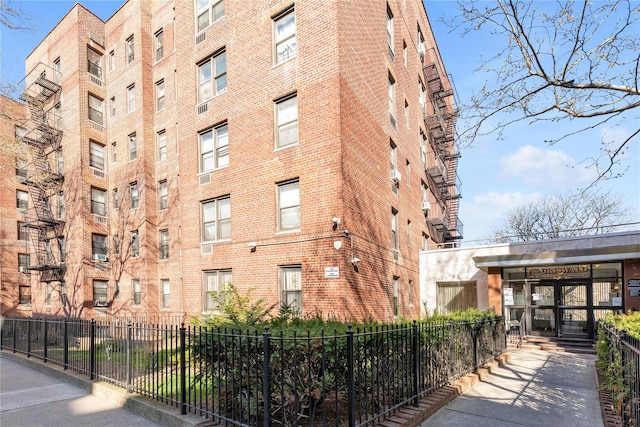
(442, 175)
(43, 139)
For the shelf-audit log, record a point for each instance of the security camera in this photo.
(355, 260)
(336, 220)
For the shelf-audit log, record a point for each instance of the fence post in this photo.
(183, 371)
(452, 351)
(128, 355)
(474, 335)
(351, 384)
(92, 350)
(65, 339)
(15, 338)
(626, 387)
(416, 361)
(29, 321)
(45, 335)
(266, 376)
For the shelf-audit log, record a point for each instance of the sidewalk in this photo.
(535, 388)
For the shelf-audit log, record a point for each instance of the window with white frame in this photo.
(160, 95)
(164, 244)
(214, 148)
(112, 60)
(133, 147)
(166, 293)
(137, 291)
(425, 242)
(163, 196)
(114, 152)
(410, 296)
(425, 192)
(100, 293)
(404, 53)
(96, 155)
(394, 229)
(396, 296)
(63, 292)
(61, 205)
(408, 173)
(47, 300)
(94, 63)
(212, 76)
(285, 43)
(116, 245)
(95, 109)
(161, 138)
(21, 168)
(422, 96)
(57, 70)
(23, 232)
(135, 244)
(291, 288)
(24, 295)
(112, 104)
(289, 206)
(214, 283)
(216, 219)
(393, 156)
(24, 262)
(390, 30)
(392, 99)
(60, 162)
(62, 245)
(159, 44)
(22, 199)
(98, 201)
(286, 121)
(208, 12)
(98, 245)
(406, 114)
(131, 98)
(134, 195)
(409, 232)
(115, 198)
(129, 50)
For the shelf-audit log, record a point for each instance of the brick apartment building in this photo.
(303, 150)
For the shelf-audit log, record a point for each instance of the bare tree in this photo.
(555, 62)
(564, 215)
(14, 18)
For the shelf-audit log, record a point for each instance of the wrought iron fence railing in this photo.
(250, 378)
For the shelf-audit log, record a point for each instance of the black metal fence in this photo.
(622, 353)
(257, 378)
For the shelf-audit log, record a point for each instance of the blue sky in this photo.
(495, 175)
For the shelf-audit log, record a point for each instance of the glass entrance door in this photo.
(543, 309)
(573, 310)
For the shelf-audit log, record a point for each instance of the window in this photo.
(286, 122)
(410, 293)
(160, 95)
(63, 292)
(57, 70)
(214, 148)
(22, 199)
(135, 244)
(404, 53)
(291, 288)
(212, 76)
(216, 219)
(163, 197)
(408, 173)
(112, 105)
(96, 155)
(100, 293)
(60, 205)
(115, 198)
(394, 230)
(23, 232)
(21, 168)
(129, 49)
(95, 109)
(98, 201)
(114, 152)
(112, 60)
(99, 246)
(422, 96)
(408, 233)
(406, 114)
(62, 245)
(393, 157)
(60, 160)
(285, 36)
(134, 195)
(131, 98)
(396, 296)
(135, 287)
(164, 244)
(456, 296)
(209, 11)
(425, 242)
(390, 30)
(392, 100)
(24, 296)
(116, 245)
(166, 293)
(425, 192)
(133, 147)
(24, 262)
(214, 283)
(162, 145)
(94, 63)
(289, 206)
(159, 45)
(47, 301)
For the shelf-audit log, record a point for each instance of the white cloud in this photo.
(488, 210)
(541, 168)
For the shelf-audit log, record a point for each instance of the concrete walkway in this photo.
(535, 388)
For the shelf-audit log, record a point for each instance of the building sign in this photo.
(331, 272)
(508, 296)
(559, 272)
(634, 287)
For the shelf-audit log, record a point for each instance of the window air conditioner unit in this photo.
(22, 269)
(426, 206)
(395, 175)
(99, 257)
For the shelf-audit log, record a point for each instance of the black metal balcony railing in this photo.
(251, 378)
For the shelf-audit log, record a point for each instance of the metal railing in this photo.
(623, 368)
(255, 378)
